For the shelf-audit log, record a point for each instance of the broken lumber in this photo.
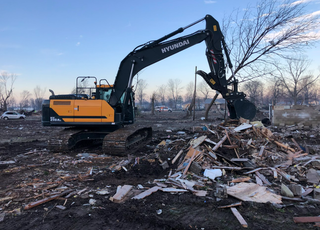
(253, 192)
(231, 205)
(263, 178)
(45, 200)
(241, 179)
(242, 127)
(284, 146)
(146, 193)
(121, 193)
(306, 219)
(191, 159)
(177, 156)
(219, 143)
(237, 214)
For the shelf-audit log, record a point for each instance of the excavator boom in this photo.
(154, 51)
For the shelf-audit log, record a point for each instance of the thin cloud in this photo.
(300, 2)
(78, 44)
(209, 2)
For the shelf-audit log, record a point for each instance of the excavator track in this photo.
(121, 142)
(60, 142)
(126, 140)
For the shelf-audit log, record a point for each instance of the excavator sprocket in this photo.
(126, 140)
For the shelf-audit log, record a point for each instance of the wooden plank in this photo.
(262, 177)
(239, 159)
(6, 198)
(177, 156)
(252, 171)
(235, 150)
(45, 200)
(219, 143)
(258, 180)
(284, 146)
(240, 179)
(226, 167)
(237, 214)
(196, 142)
(147, 192)
(275, 174)
(261, 151)
(210, 141)
(123, 191)
(253, 192)
(190, 153)
(306, 219)
(186, 169)
(173, 190)
(242, 127)
(231, 205)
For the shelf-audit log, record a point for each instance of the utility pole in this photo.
(194, 93)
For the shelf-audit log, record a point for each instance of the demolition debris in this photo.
(231, 161)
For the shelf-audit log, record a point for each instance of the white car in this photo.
(12, 115)
(163, 109)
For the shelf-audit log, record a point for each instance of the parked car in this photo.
(12, 115)
(163, 109)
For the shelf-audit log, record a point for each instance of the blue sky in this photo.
(51, 42)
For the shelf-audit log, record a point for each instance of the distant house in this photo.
(218, 104)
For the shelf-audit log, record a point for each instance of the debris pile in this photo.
(237, 158)
(240, 159)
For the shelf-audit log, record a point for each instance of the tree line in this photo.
(27, 99)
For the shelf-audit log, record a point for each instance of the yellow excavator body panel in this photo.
(83, 110)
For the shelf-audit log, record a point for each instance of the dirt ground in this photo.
(30, 171)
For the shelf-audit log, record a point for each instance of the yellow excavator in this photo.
(106, 113)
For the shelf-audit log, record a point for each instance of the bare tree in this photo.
(161, 92)
(204, 89)
(275, 91)
(189, 91)
(140, 90)
(25, 97)
(12, 103)
(310, 91)
(294, 79)
(174, 88)
(265, 31)
(6, 88)
(38, 94)
(254, 90)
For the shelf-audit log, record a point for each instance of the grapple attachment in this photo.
(242, 108)
(238, 105)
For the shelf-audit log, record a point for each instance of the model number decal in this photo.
(54, 119)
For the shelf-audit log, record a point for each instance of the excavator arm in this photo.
(154, 51)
